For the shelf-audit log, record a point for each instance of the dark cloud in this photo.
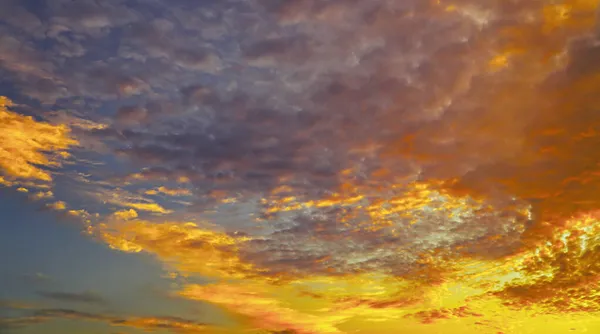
(10, 323)
(270, 51)
(84, 297)
(69, 314)
(175, 324)
(129, 114)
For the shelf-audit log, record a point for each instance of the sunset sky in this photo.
(299, 166)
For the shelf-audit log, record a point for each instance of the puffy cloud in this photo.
(125, 214)
(58, 206)
(560, 274)
(42, 195)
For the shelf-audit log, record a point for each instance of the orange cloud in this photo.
(528, 131)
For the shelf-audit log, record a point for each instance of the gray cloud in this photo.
(38, 316)
(83, 297)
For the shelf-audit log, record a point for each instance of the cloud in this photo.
(270, 51)
(122, 198)
(263, 311)
(15, 305)
(84, 297)
(131, 114)
(440, 145)
(178, 325)
(558, 276)
(58, 206)
(169, 191)
(8, 323)
(42, 195)
(125, 214)
(175, 324)
(542, 128)
(28, 144)
(172, 242)
(152, 207)
(428, 317)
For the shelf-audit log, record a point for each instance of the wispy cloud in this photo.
(83, 297)
(174, 324)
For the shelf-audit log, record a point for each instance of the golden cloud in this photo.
(215, 254)
(169, 191)
(125, 214)
(557, 276)
(562, 274)
(262, 310)
(58, 206)
(26, 145)
(42, 195)
(151, 207)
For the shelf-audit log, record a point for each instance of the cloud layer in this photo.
(321, 166)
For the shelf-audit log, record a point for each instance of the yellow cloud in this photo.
(58, 206)
(150, 207)
(26, 144)
(215, 254)
(126, 214)
(561, 274)
(42, 195)
(5, 182)
(78, 213)
(169, 191)
(467, 295)
(262, 310)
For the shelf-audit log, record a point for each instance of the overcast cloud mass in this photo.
(299, 166)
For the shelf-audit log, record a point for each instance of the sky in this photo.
(299, 166)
